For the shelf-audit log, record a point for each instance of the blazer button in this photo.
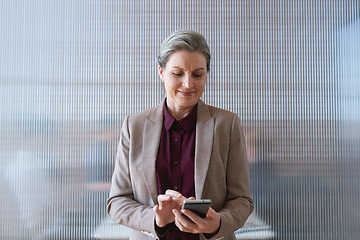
(176, 140)
(175, 188)
(176, 163)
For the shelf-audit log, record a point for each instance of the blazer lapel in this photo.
(203, 146)
(151, 140)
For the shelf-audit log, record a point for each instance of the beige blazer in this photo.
(221, 170)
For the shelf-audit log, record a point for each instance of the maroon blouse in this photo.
(175, 161)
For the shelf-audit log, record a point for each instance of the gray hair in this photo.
(183, 40)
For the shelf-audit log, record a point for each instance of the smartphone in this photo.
(200, 207)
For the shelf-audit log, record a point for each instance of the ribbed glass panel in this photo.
(70, 71)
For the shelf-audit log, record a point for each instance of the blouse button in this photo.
(176, 140)
(176, 163)
(175, 188)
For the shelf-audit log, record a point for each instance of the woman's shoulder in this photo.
(142, 114)
(220, 112)
(223, 118)
(153, 113)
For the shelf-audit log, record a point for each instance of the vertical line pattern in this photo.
(70, 71)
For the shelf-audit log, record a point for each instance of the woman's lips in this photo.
(186, 93)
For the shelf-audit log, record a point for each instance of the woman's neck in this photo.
(179, 113)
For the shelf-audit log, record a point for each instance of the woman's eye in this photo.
(197, 75)
(177, 74)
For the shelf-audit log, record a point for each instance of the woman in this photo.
(181, 149)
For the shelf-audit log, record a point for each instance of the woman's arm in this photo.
(239, 203)
(121, 205)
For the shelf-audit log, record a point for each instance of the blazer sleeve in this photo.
(239, 203)
(121, 205)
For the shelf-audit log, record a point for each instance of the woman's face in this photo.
(184, 78)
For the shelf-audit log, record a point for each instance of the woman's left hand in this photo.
(209, 224)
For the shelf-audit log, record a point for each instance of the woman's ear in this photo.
(161, 73)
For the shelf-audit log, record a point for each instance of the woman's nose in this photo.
(187, 81)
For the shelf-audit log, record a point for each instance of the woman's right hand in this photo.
(164, 214)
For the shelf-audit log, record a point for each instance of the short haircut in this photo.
(184, 40)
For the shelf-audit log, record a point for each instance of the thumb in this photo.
(212, 213)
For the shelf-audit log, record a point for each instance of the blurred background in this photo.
(70, 71)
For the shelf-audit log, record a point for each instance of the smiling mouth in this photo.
(187, 94)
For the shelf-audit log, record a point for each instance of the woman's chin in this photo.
(188, 102)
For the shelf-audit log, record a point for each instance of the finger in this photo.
(180, 216)
(185, 224)
(180, 200)
(192, 216)
(173, 193)
(176, 196)
(212, 214)
(176, 212)
(163, 198)
(156, 208)
(178, 222)
(191, 198)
